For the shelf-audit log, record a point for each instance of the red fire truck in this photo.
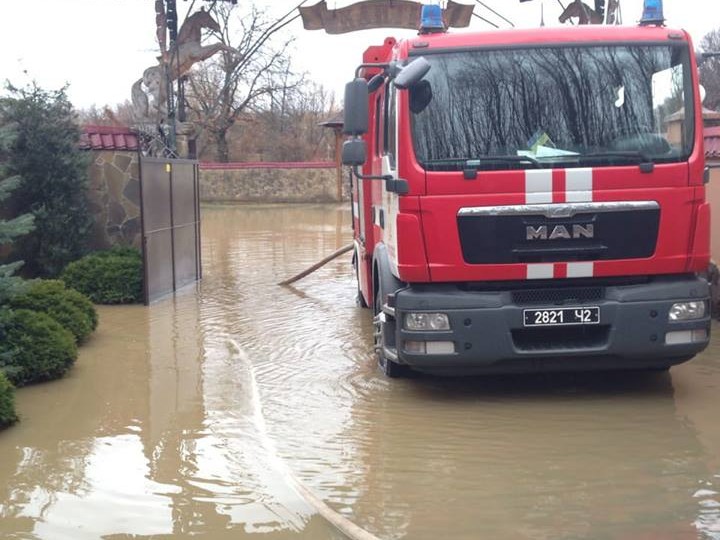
(530, 200)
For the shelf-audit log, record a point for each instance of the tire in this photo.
(391, 369)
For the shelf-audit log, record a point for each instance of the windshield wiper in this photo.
(645, 161)
(452, 164)
(502, 159)
(470, 167)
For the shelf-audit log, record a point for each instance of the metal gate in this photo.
(170, 205)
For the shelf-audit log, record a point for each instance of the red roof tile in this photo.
(108, 138)
(712, 142)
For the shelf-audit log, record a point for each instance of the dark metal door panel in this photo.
(155, 198)
(171, 225)
(185, 256)
(183, 185)
(158, 265)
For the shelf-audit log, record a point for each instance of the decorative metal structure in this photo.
(378, 14)
(158, 97)
(603, 12)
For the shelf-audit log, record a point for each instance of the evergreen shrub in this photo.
(114, 276)
(71, 309)
(35, 347)
(45, 154)
(7, 402)
(10, 229)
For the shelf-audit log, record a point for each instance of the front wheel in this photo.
(389, 367)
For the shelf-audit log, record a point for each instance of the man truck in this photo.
(530, 200)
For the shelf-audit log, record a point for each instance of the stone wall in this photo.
(114, 190)
(271, 182)
(114, 194)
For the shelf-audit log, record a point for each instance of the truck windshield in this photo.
(554, 107)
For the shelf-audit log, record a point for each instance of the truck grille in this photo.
(588, 235)
(555, 339)
(557, 297)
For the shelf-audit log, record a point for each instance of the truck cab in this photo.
(531, 200)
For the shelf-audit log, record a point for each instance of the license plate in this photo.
(561, 317)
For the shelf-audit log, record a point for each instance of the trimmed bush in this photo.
(71, 309)
(35, 348)
(120, 251)
(7, 402)
(114, 276)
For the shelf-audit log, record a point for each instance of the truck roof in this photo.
(534, 36)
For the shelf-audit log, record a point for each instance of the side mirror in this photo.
(353, 152)
(412, 73)
(356, 108)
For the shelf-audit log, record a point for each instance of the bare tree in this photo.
(284, 127)
(710, 70)
(241, 79)
(292, 124)
(118, 115)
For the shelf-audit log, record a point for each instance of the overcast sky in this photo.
(100, 47)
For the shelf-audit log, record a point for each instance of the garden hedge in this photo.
(71, 309)
(35, 347)
(114, 276)
(7, 402)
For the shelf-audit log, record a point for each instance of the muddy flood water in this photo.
(178, 420)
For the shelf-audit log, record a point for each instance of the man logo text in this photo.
(559, 232)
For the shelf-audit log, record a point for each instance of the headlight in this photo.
(686, 311)
(426, 322)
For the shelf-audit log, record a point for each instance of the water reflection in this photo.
(529, 458)
(157, 432)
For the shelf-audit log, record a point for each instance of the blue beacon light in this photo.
(652, 13)
(431, 19)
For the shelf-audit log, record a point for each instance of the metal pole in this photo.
(172, 133)
(171, 21)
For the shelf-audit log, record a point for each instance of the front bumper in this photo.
(489, 336)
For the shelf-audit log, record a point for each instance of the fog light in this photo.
(426, 322)
(429, 347)
(685, 311)
(440, 347)
(680, 337)
(415, 347)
